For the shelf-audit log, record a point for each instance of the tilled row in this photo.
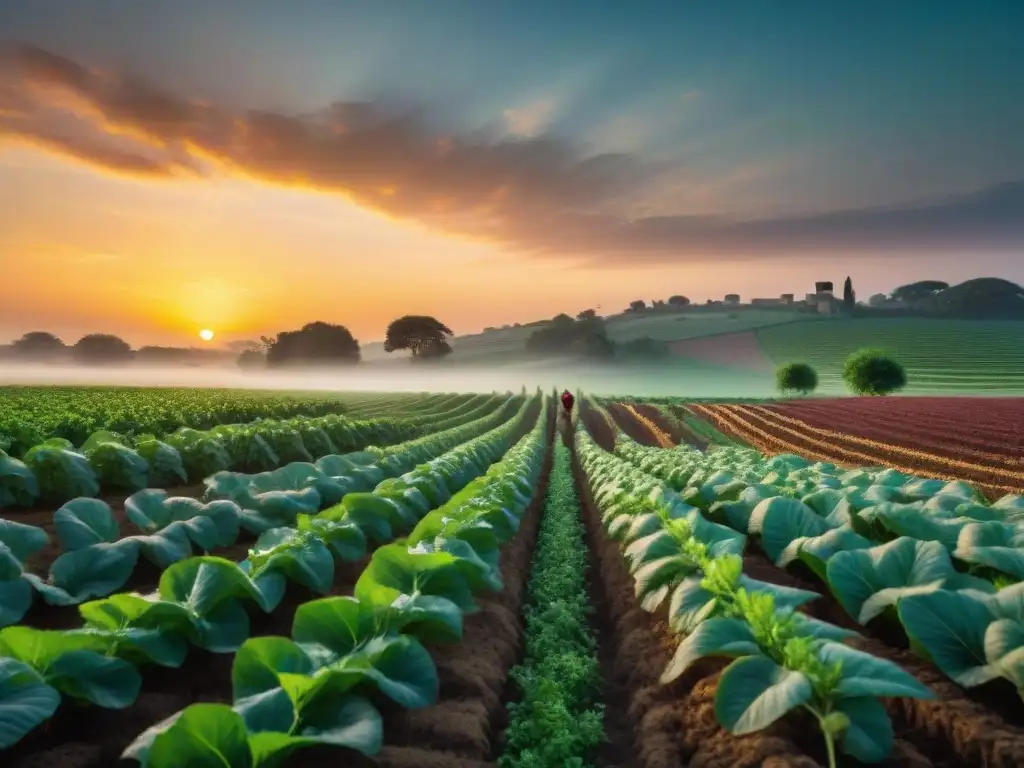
(461, 729)
(777, 438)
(674, 725)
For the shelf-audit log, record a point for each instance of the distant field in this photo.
(691, 325)
(941, 356)
(508, 344)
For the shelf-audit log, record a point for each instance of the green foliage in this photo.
(644, 348)
(796, 377)
(557, 719)
(424, 336)
(912, 292)
(101, 349)
(564, 336)
(314, 344)
(873, 372)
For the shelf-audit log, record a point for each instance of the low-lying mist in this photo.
(401, 376)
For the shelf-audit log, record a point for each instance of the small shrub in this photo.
(796, 377)
(872, 372)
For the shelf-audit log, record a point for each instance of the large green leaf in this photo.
(348, 721)
(95, 571)
(394, 570)
(995, 545)
(200, 736)
(17, 483)
(26, 701)
(22, 540)
(867, 675)
(714, 637)
(867, 581)
(869, 736)
(83, 522)
(949, 627)
(815, 551)
(754, 692)
(780, 520)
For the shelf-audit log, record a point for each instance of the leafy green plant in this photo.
(873, 372)
(784, 660)
(796, 377)
(557, 719)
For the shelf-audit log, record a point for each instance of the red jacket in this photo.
(567, 401)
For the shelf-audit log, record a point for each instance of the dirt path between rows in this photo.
(673, 725)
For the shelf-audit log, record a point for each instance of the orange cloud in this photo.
(537, 193)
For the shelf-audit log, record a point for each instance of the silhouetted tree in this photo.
(878, 300)
(564, 335)
(678, 301)
(314, 344)
(434, 350)
(849, 298)
(422, 335)
(922, 289)
(638, 305)
(101, 349)
(587, 314)
(251, 358)
(38, 345)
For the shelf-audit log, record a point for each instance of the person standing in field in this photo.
(567, 403)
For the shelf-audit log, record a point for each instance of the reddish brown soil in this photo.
(673, 725)
(676, 432)
(944, 428)
(736, 350)
(598, 428)
(632, 426)
(766, 430)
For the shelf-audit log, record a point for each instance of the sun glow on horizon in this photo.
(206, 334)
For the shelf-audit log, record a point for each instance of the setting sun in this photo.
(206, 334)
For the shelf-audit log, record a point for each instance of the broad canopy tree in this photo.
(38, 345)
(426, 337)
(101, 349)
(316, 343)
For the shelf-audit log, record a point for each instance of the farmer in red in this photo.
(567, 401)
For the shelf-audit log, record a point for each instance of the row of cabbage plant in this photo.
(318, 687)
(783, 660)
(56, 470)
(98, 560)
(200, 600)
(930, 558)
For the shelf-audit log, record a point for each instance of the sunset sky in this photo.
(249, 166)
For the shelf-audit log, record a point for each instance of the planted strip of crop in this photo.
(556, 717)
(768, 429)
(674, 724)
(893, 551)
(351, 659)
(97, 560)
(200, 602)
(56, 471)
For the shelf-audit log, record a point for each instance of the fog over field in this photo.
(669, 378)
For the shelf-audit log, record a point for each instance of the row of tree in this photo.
(866, 372)
(316, 343)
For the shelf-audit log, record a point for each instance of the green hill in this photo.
(941, 356)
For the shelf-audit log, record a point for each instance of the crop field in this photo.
(193, 577)
(940, 356)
